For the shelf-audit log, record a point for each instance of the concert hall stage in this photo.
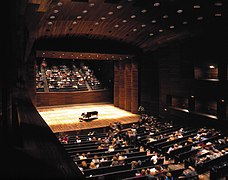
(64, 118)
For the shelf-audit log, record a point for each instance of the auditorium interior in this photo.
(114, 89)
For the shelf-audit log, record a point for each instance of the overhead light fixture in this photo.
(50, 23)
(110, 13)
(179, 11)
(116, 26)
(134, 30)
(52, 17)
(160, 30)
(154, 21)
(143, 25)
(171, 27)
(133, 16)
(218, 15)
(91, 4)
(59, 3)
(74, 22)
(156, 4)
(56, 11)
(184, 22)
(200, 18)
(119, 6)
(196, 6)
(144, 11)
(211, 67)
(218, 4)
(151, 34)
(84, 11)
(165, 16)
(124, 21)
(103, 18)
(79, 17)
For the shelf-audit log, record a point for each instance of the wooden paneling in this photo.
(121, 85)
(116, 84)
(63, 98)
(134, 87)
(127, 87)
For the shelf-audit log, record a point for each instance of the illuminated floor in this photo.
(66, 118)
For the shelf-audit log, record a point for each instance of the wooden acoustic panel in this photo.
(63, 98)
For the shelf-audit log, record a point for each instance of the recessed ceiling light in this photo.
(165, 16)
(171, 27)
(184, 22)
(218, 15)
(124, 21)
(218, 4)
(151, 34)
(133, 16)
(84, 11)
(200, 18)
(56, 11)
(119, 6)
(160, 30)
(74, 22)
(52, 17)
(91, 4)
(134, 30)
(79, 17)
(179, 11)
(143, 25)
(144, 11)
(116, 26)
(211, 67)
(59, 3)
(103, 18)
(156, 4)
(153, 21)
(110, 13)
(196, 6)
(96, 23)
(50, 23)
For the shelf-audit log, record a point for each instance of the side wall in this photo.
(126, 85)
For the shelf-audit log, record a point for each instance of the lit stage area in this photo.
(63, 118)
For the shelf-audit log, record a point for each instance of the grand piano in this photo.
(89, 115)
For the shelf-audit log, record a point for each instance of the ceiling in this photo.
(143, 24)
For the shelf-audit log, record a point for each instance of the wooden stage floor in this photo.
(65, 118)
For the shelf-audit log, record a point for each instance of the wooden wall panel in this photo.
(127, 80)
(121, 85)
(116, 84)
(134, 88)
(62, 98)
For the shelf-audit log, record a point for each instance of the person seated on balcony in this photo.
(96, 159)
(83, 166)
(111, 148)
(93, 165)
(115, 161)
(78, 140)
(83, 156)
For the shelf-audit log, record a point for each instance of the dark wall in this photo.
(176, 72)
(148, 84)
